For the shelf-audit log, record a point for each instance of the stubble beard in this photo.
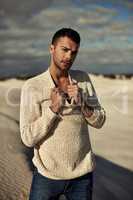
(59, 67)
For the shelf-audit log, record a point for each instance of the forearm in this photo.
(36, 118)
(34, 132)
(95, 117)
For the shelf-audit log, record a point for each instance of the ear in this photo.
(51, 49)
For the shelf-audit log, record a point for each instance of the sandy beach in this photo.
(113, 144)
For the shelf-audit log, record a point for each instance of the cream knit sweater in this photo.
(62, 148)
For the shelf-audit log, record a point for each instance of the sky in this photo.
(106, 29)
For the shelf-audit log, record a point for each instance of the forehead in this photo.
(67, 42)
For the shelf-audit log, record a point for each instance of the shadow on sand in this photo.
(111, 181)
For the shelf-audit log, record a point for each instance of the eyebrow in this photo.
(69, 49)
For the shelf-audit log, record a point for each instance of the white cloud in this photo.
(104, 39)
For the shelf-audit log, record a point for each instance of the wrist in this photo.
(54, 110)
(88, 111)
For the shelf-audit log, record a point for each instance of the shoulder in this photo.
(80, 75)
(35, 82)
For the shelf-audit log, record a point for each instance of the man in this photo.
(56, 108)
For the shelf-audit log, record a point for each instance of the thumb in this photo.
(72, 81)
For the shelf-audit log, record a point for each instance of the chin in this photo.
(66, 68)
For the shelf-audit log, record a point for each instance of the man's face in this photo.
(64, 52)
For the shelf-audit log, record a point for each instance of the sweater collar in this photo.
(50, 80)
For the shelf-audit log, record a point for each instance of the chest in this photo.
(63, 83)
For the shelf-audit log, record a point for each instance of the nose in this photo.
(68, 55)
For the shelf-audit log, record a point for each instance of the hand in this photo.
(57, 100)
(74, 92)
(87, 111)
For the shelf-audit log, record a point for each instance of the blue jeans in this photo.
(44, 188)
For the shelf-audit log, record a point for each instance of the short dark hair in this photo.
(66, 32)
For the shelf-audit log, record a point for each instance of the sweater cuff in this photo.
(97, 118)
(52, 114)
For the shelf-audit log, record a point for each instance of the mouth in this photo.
(67, 62)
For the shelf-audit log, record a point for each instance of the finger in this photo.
(57, 90)
(70, 80)
(73, 86)
(53, 89)
(74, 82)
(72, 90)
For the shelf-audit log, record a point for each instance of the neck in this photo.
(56, 73)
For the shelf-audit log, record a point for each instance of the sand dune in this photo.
(112, 144)
(13, 168)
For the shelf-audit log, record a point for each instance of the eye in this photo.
(74, 52)
(65, 50)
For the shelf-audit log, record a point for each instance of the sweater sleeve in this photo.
(91, 102)
(35, 120)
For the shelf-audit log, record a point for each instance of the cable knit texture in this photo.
(62, 148)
